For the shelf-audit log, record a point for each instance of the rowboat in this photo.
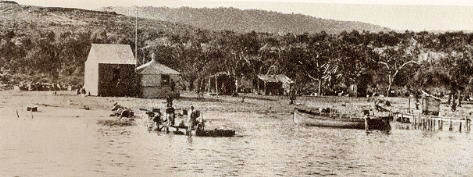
(182, 129)
(308, 117)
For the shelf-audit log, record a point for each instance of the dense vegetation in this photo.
(383, 62)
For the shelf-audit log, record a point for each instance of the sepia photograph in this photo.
(158, 88)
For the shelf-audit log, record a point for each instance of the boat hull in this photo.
(307, 118)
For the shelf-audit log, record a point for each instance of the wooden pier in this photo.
(433, 123)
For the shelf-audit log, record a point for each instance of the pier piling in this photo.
(451, 126)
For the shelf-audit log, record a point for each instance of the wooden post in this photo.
(409, 105)
(460, 127)
(366, 123)
(421, 123)
(216, 84)
(440, 124)
(415, 122)
(429, 124)
(264, 88)
(424, 123)
(451, 126)
(433, 122)
(210, 85)
(469, 123)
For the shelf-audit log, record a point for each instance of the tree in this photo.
(396, 58)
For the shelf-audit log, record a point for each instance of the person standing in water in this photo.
(170, 111)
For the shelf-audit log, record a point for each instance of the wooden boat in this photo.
(182, 129)
(308, 117)
(198, 131)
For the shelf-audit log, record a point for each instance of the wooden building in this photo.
(221, 83)
(430, 105)
(274, 84)
(158, 80)
(110, 71)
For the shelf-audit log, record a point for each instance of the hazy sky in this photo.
(396, 14)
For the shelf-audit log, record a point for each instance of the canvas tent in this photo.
(157, 80)
(110, 71)
(274, 84)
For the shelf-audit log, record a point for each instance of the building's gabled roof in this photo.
(276, 78)
(268, 78)
(219, 74)
(112, 54)
(284, 79)
(154, 67)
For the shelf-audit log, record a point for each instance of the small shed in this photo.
(110, 71)
(430, 105)
(158, 80)
(221, 83)
(274, 84)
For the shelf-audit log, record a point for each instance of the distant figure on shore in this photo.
(292, 97)
(169, 100)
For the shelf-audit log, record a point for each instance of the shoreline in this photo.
(48, 103)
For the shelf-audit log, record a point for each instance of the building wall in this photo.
(152, 87)
(91, 77)
(150, 80)
(117, 80)
(158, 92)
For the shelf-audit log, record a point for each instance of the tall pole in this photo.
(136, 35)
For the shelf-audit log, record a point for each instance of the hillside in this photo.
(50, 43)
(246, 20)
(30, 19)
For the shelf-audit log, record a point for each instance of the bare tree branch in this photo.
(384, 63)
(406, 63)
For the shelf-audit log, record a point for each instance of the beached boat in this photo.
(309, 117)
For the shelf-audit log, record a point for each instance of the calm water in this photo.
(268, 146)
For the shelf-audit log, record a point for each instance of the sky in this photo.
(413, 15)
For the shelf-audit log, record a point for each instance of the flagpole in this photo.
(136, 35)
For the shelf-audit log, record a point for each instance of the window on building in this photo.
(165, 79)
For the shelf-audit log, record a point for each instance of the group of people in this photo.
(170, 116)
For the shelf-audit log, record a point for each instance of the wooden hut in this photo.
(221, 83)
(274, 84)
(110, 71)
(158, 80)
(430, 105)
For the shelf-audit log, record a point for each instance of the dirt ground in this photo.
(67, 104)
